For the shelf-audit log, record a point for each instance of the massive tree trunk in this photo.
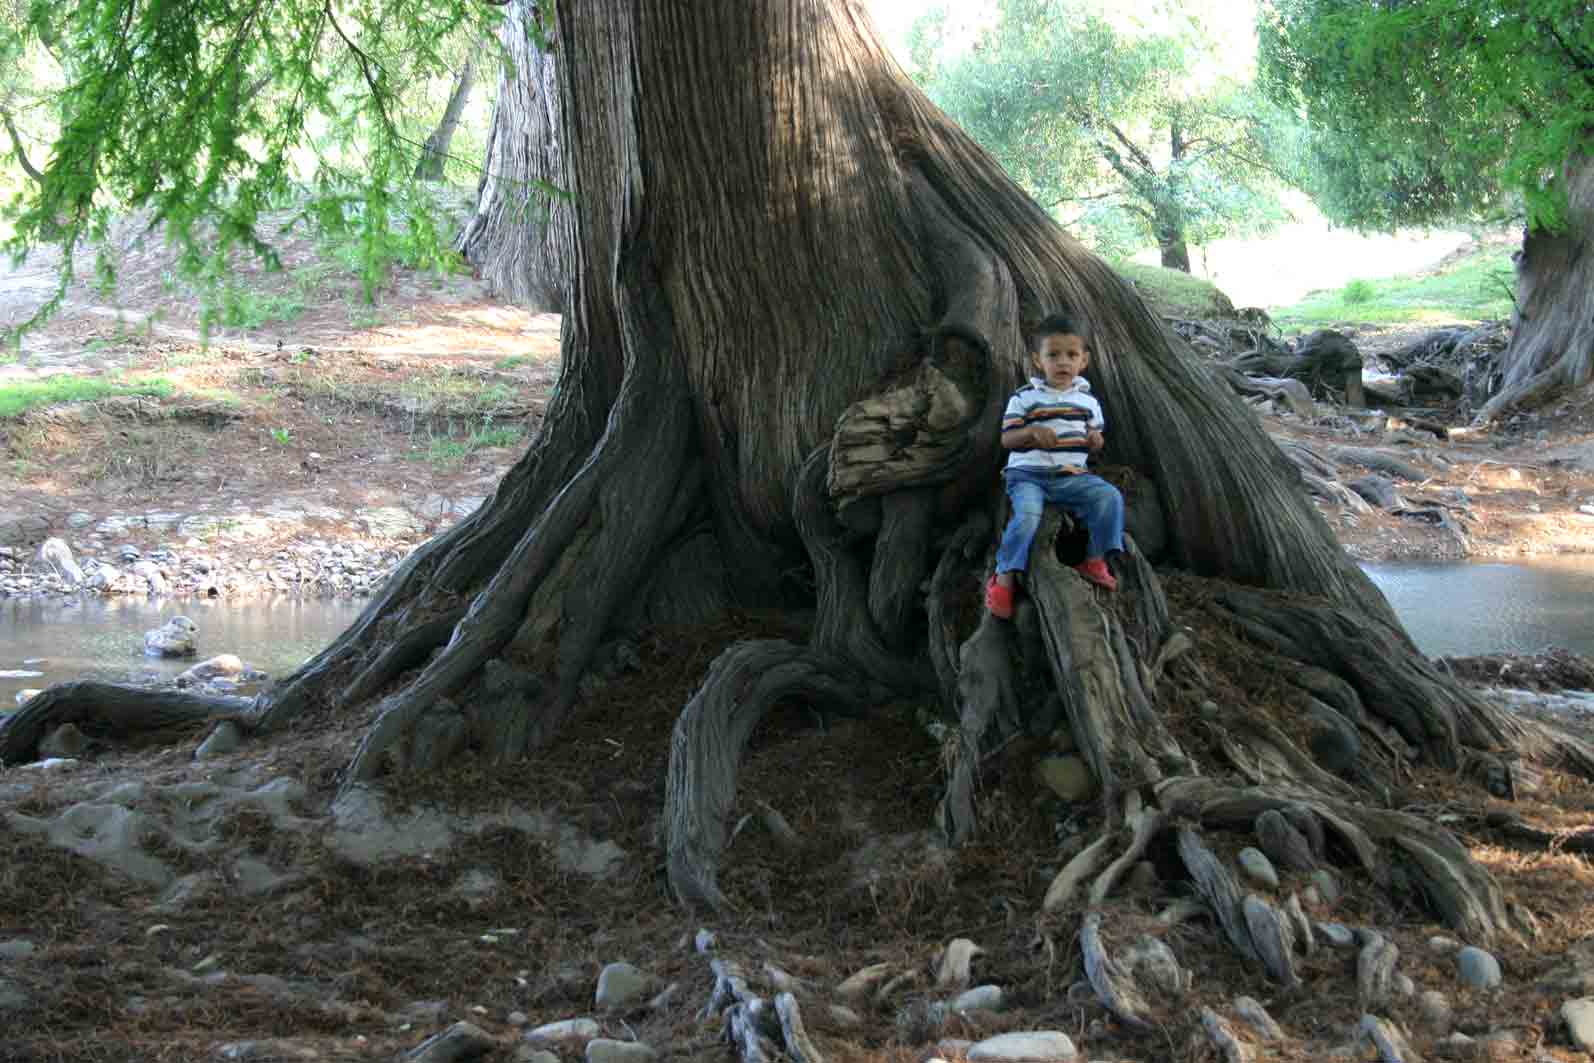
(520, 239)
(798, 300)
(434, 153)
(1552, 338)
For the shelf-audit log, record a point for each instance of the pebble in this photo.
(1327, 885)
(1258, 868)
(1337, 934)
(606, 1051)
(1477, 968)
(459, 1041)
(1578, 1015)
(1251, 1011)
(980, 998)
(16, 949)
(528, 1054)
(620, 985)
(1433, 1007)
(1442, 945)
(1067, 776)
(566, 1031)
(845, 1017)
(1048, 1046)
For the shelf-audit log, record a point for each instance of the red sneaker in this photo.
(1095, 570)
(999, 599)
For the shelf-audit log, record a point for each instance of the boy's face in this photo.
(1061, 357)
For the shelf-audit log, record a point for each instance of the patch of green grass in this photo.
(1172, 293)
(1357, 292)
(445, 450)
(515, 361)
(1476, 287)
(17, 398)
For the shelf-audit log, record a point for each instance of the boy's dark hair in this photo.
(1059, 324)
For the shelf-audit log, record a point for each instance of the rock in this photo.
(64, 741)
(1477, 968)
(528, 1054)
(980, 998)
(225, 739)
(58, 556)
(16, 949)
(1327, 885)
(458, 1043)
(621, 985)
(154, 579)
(1433, 1008)
(1403, 985)
(1153, 965)
(178, 637)
(921, 1020)
(1443, 946)
(1066, 776)
(223, 664)
(567, 1031)
(1456, 1046)
(1337, 934)
(1258, 868)
(1254, 1015)
(1578, 1015)
(390, 522)
(606, 1051)
(1574, 976)
(1038, 1047)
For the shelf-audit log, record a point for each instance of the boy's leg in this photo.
(1097, 503)
(1029, 502)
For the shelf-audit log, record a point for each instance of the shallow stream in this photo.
(1449, 608)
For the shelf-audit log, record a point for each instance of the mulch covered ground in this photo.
(372, 961)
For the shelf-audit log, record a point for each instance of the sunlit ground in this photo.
(1309, 256)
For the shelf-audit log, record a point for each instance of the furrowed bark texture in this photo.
(520, 237)
(1552, 338)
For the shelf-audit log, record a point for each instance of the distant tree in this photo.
(1455, 110)
(1137, 134)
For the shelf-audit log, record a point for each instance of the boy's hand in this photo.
(1041, 437)
(1095, 440)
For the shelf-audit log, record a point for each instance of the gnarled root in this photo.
(743, 684)
(112, 711)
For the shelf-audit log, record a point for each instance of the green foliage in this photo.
(1436, 110)
(1358, 291)
(1476, 287)
(1132, 136)
(204, 115)
(23, 395)
(1173, 293)
(281, 436)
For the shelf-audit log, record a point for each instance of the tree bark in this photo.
(520, 239)
(798, 297)
(1552, 339)
(434, 153)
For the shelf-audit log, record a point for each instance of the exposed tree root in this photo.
(743, 684)
(114, 712)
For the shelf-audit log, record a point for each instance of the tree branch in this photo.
(16, 146)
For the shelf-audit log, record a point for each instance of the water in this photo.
(103, 638)
(1448, 607)
(1471, 607)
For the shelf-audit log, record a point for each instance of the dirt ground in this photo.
(352, 961)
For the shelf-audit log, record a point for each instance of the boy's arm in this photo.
(1030, 437)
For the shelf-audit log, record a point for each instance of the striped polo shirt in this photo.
(1069, 413)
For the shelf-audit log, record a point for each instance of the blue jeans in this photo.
(1088, 497)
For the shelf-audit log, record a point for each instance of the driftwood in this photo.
(1229, 1046)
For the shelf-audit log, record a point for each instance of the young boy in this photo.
(1049, 428)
